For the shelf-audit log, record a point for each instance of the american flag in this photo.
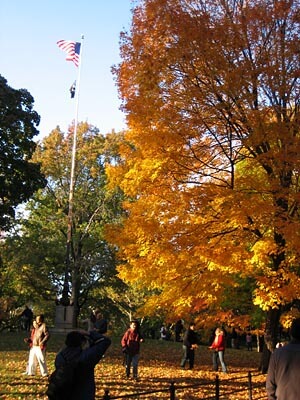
(72, 49)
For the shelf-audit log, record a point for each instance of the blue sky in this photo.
(31, 59)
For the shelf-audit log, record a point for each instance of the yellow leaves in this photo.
(287, 318)
(275, 288)
(158, 367)
(262, 250)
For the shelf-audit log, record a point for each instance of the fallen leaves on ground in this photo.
(159, 366)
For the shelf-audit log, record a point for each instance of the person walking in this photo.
(190, 343)
(282, 381)
(37, 353)
(85, 350)
(218, 346)
(131, 348)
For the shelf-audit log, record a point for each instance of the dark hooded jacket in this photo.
(283, 373)
(84, 387)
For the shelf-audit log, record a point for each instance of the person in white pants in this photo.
(38, 350)
(28, 340)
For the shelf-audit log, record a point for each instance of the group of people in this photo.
(284, 366)
(130, 343)
(166, 331)
(88, 347)
(131, 348)
(191, 342)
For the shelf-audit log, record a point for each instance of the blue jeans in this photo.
(188, 354)
(134, 360)
(218, 356)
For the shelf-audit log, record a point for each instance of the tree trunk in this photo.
(76, 282)
(270, 338)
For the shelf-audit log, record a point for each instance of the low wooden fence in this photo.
(211, 390)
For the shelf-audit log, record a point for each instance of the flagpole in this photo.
(65, 292)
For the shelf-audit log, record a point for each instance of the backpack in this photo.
(61, 380)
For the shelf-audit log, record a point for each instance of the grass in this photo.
(158, 367)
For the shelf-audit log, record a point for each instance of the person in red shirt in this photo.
(131, 348)
(29, 340)
(218, 347)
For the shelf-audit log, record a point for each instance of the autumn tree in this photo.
(211, 93)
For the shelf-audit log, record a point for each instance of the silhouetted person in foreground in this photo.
(86, 349)
(283, 373)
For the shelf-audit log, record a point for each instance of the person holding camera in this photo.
(85, 349)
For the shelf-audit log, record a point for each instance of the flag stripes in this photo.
(72, 49)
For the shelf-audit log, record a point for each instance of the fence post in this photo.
(249, 386)
(172, 391)
(106, 395)
(217, 387)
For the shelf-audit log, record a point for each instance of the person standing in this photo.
(85, 349)
(218, 347)
(190, 343)
(29, 340)
(37, 353)
(249, 341)
(163, 333)
(26, 318)
(131, 348)
(282, 381)
(234, 339)
(90, 321)
(178, 330)
(100, 323)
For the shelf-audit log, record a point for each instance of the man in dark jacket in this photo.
(190, 343)
(87, 349)
(283, 373)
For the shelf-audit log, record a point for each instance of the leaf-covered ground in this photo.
(158, 367)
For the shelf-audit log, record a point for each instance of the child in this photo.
(131, 348)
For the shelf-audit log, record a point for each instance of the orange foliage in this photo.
(212, 170)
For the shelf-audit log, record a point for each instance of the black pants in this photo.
(188, 354)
